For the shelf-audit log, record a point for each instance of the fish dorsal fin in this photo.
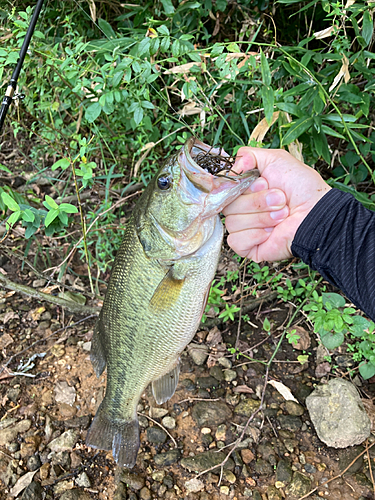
(163, 388)
(167, 292)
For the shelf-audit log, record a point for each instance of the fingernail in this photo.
(275, 199)
(279, 214)
(268, 229)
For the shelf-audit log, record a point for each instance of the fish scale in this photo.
(156, 294)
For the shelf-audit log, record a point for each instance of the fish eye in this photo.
(164, 182)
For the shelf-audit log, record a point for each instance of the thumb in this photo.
(245, 160)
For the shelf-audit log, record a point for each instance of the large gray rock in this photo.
(209, 413)
(338, 415)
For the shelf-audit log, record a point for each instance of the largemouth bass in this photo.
(157, 292)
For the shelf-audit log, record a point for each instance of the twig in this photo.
(369, 465)
(59, 301)
(198, 399)
(2, 368)
(157, 423)
(338, 475)
(241, 303)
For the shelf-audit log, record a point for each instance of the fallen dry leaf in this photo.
(322, 370)
(283, 390)
(10, 315)
(183, 68)
(324, 33)
(262, 128)
(35, 314)
(344, 72)
(304, 340)
(23, 483)
(64, 393)
(243, 389)
(5, 340)
(214, 336)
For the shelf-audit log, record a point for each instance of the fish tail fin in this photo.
(97, 354)
(120, 437)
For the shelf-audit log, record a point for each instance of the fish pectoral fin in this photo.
(120, 437)
(167, 292)
(163, 388)
(97, 353)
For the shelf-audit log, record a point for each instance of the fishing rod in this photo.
(16, 73)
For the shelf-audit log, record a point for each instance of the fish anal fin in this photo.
(120, 437)
(164, 387)
(97, 354)
(166, 293)
(205, 301)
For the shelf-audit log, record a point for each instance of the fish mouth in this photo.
(220, 187)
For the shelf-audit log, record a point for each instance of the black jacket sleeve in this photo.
(337, 238)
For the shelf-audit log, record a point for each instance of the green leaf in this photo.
(168, 7)
(332, 340)
(138, 115)
(321, 146)
(290, 107)
(147, 105)
(63, 163)
(334, 299)
(144, 47)
(217, 49)
(163, 30)
(117, 77)
(265, 69)
(297, 128)
(4, 168)
(329, 131)
(106, 28)
(367, 370)
(50, 203)
(367, 27)
(50, 217)
(93, 111)
(28, 215)
(13, 218)
(10, 202)
(68, 208)
(63, 217)
(268, 102)
(176, 48)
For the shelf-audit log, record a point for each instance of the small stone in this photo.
(33, 462)
(263, 468)
(290, 422)
(207, 382)
(158, 476)
(158, 412)
(299, 486)
(284, 472)
(257, 495)
(247, 407)
(121, 492)
(198, 353)
(188, 384)
(230, 375)
(34, 491)
(66, 441)
(64, 393)
(75, 495)
(310, 469)
(86, 346)
(221, 433)
(224, 490)
(44, 471)
(226, 362)
(134, 481)
(247, 456)
(7, 423)
(62, 486)
(273, 493)
(194, 485)
(169, 422)
(167, 458)
(206, 430)
(156, 435)
(211, 413)
(30, 445)
(206, 460)
(347, 456)
(229, 476)
(12, 447)
(145, 494)
(83, 480)
(9, 434)
(217, 373)
(294, 408)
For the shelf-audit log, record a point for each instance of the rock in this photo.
(145, 494)
(198, 353)
(120, 493)
(209, 413)
(62, 486)
(263, 468)
(7, 423)
(247, 456)
(77, 422)
(194, 485)
(310, 469)
(30, 446)
(226, 362)
(10, 433)
(44, 471)
(247, 407)
(290, 422)
(131, 479)
(224, 490)
(66, 441)
(64, 393)
(33, 462)
(75, 495)
(158, 412)
(156, 435)
(273, 493)
(230, 375)
(206, 460)
(299, 486)
(188, 384)
(217, 373)
(169, 422)
(293, 408)
(338, 415)
(284, 472)
(347, 456)
(229, 476)
(83, 480)
(158, 476)
(168, 458)
(221, 433)
(33, 492)
(207, 382)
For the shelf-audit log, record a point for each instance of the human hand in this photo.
(263, 221)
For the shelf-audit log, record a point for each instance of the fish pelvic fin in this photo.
(97, 354)
(164, 387)
(166, 293)
(120, 437)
